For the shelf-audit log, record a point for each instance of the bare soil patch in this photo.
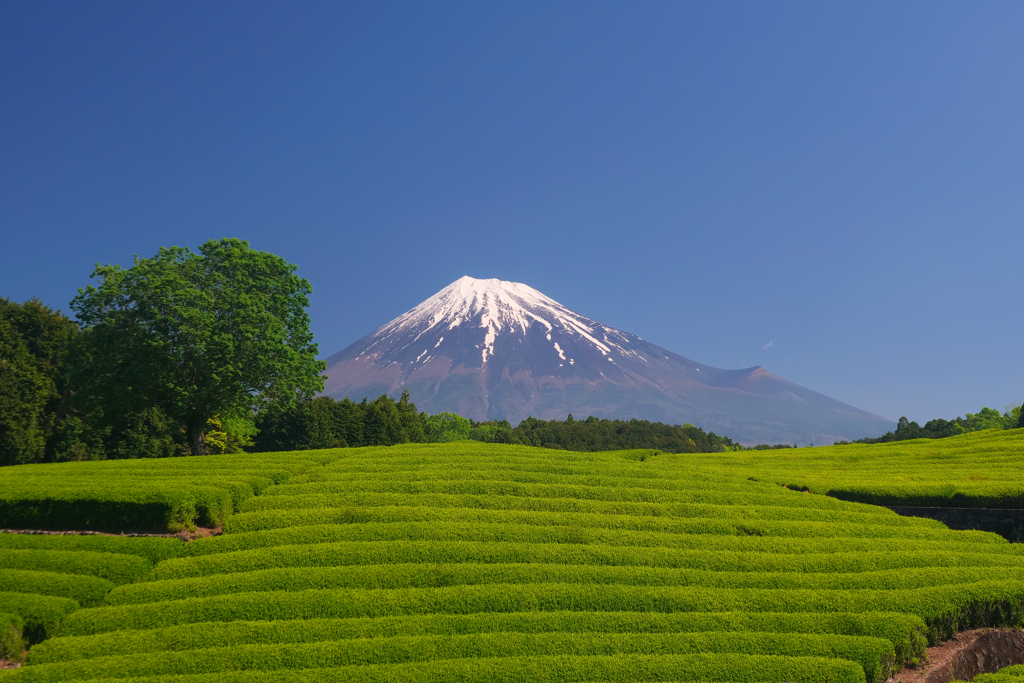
(200, 532)
(12, 663)
(966, 655)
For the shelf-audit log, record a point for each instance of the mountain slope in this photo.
(493, 350)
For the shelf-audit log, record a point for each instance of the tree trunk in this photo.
(197, 440)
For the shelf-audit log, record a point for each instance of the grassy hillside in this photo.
(469, 562)
(980, 469)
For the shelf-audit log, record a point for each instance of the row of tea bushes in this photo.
(946, 608)
(617, 668)
(120, 505)
(421, 524)
(115, 567)
(151, 495)
(151, 548)
(44, 578)
(333, 552)
(471, 561)
(440, 575)
(873, 655)
(903, 630)
(88, 591)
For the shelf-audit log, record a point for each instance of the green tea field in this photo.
(476, 562)
(980, 469)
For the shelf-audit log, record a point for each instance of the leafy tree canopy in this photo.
(223, 333)
(445, 427)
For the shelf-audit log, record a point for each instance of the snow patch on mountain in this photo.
(496, 306)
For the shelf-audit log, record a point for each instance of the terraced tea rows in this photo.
(43, 579)
(980, 469)
(487, 562)
(152, 495)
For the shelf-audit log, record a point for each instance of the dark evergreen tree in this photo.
(412, 422)
(382, 425)
(594, 434)
(324, 422)
(318, 425)
(34, 345)
(348, 422)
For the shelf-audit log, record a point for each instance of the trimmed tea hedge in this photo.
(110, 566)
(949, 610)
(718, 668)
(151, 548)
(114, 506)
(416, 575)
(559, 499)
(874, 655)
(141, 495)
(351, 553)
(86, 590)
(41, 614)
(903, 630)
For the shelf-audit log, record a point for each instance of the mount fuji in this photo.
(494, 350)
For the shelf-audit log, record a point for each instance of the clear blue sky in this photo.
(834, 191)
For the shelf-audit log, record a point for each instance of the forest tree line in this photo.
(328, 423)
(986, 418)
(593, 434)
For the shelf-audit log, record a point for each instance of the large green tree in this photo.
(34, 342)
(220, 333)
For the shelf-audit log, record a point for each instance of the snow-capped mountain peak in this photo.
(496, 306)
(492, 350)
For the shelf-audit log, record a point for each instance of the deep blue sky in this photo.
(834, 191)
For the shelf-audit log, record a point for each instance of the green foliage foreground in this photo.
(466, 561)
